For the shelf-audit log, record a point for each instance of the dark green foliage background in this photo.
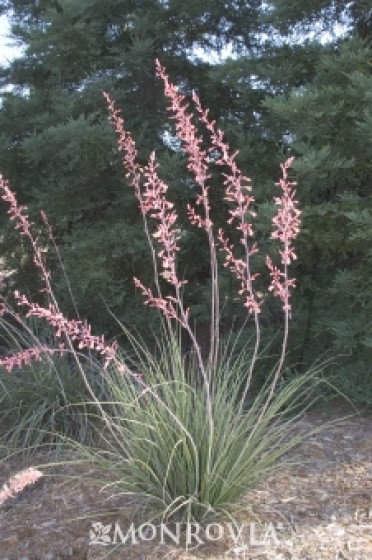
(285, 92)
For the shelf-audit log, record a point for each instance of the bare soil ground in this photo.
(321, 510)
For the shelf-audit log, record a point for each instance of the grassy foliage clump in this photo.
(160, 452)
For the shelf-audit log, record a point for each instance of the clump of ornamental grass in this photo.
(185, 433)
(45, 398)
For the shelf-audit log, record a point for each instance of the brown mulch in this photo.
(321, 510)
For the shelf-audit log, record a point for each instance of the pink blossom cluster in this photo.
(126, 146)
(79, 331)
(157, 206)
(287, 220)
(238, 186)
(166, 305)
(242, 272)
(18, 214)
(286, 228)
(19, 482)
(198, 160)
(25, 357)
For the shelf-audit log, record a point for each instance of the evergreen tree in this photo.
(312, 99)
(58, 149)
(326, 124)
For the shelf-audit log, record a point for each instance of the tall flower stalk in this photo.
(68, 331)
(151, 195)
(286, 227)
(199, 166)
(134, 172)
(238, 194)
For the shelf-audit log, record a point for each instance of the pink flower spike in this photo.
(286, 224)
(19, 482)
(79, 331)
(240, 268)
(26, 357)
(18, 214)
(192, 142)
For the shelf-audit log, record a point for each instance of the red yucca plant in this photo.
(189, 468)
